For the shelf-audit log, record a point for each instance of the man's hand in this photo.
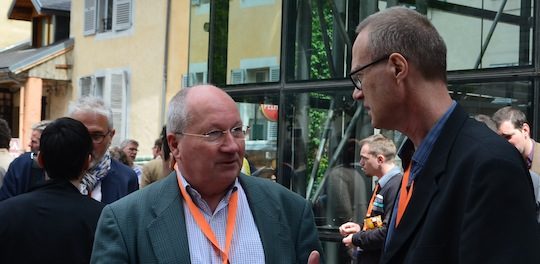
(314, 257)
(349, 228)
(347, 241)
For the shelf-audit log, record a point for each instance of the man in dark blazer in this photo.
(377, 158)
(53, 223)
(466, 194)
(24, 172)
(107, 180)
(253, 220)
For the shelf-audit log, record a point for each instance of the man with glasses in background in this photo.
(24, 172)
(107, 180)
(193, 214)
(466, 194)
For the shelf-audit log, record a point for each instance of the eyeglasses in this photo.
(218, 136)
(98, 138)
(354, 75)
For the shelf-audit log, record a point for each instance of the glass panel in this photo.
(324, 31)
(318, 160)
(254, 41)
(198, 43)
(474, 38)
(486, 98)
(260, 113)
(248, 52)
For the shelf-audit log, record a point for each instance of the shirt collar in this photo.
(389, 175)
(196, 196)
(421, 154)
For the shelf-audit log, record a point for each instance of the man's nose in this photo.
(358, 94)
(230, 143)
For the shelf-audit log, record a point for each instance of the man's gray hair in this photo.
(405, 31)
(91, 104)
(41, 125)
(177, 117)
(126, 142)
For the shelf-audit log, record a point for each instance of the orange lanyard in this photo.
(404, 194)
(203, 224)
(370, 206)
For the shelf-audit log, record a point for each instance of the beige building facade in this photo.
(130, 53)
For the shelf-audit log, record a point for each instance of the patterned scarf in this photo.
(95, 174)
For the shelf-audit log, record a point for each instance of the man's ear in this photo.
(87, 162)
(400, 65)
(526, 129)
(380, 159)
(173, 144)
(41, 163)
(113, 131)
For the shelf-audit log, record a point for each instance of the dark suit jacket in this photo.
(372, 241)
(52, 224)
(119, 182)
(23, 175)
(148, 226)
(472, 203)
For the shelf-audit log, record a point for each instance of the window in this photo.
(101, 16)
(112, 86)
(194, 78)
(257, 75)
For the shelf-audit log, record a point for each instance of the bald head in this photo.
(192, 100)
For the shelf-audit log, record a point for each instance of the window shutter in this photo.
(85, 85)
(192, 79)
(122, 14)
(185, 81)
(238, 76)
(118, 105)
(274, 74)
(89, 17)
(272, 130)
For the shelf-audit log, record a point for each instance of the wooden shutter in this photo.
(86, 84)
(274, 74)
(272, 130)
(89, 24)
(185, 80)
(122, 14)
(117, 103)
(238, 76)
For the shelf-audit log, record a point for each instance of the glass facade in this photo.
(286, 64)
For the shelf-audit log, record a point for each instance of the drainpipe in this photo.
(165, 67)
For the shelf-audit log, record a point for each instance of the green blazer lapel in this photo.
(169, 224)
(266, 215)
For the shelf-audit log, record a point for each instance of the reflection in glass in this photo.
(486, 98)
(198, 44)
(261, 142)
(479, 34)
(254, 41)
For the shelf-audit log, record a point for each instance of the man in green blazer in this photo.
(206, 211)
